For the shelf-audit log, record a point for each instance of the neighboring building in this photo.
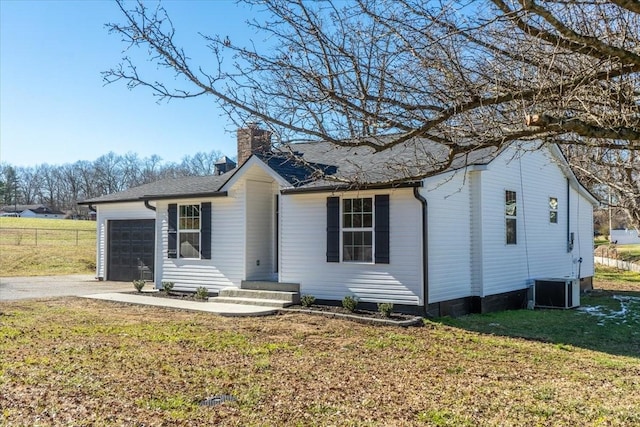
(32, 211)
(624, 237)
(470, 239)
(42, 212)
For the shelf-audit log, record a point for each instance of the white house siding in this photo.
(449, 219)
(477, 255)
(242, 233)
(303, 251)
(226, 266)
(541, 249)
(582, 224)
(260, 230)
(115, 211)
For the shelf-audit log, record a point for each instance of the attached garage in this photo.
(130, 254)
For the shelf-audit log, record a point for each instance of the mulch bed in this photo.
(368, 316)
(358, 312)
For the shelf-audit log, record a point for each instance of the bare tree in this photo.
(464, 75)
(200, 163)
(446, 71)
(612, 175)
(30, 185)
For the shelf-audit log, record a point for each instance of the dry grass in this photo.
(79, 362)
(629, 252)
(38, 247)
(76, 362)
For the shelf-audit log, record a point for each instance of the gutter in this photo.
(350, 187)
(425, 247)
(569, 239)
(185, 196)
(159, 197)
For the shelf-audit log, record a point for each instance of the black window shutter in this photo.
(205, 230)
(382, 228)
(172, 233)
(333, 229)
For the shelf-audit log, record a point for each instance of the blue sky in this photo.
(55, 108)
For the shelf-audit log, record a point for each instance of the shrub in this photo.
(167, 286)
(202, 293)
(350, 303)
(385, 308)
(138, 284)
(307, 300)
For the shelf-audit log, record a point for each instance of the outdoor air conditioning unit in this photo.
(557, 293)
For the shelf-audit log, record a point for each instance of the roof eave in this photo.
(157, 197)
(185, 196)
(350, 187)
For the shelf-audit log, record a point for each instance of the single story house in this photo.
(32, 211)
(624, 236)
(471, 238)
(42, 212)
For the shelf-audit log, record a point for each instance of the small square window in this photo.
(510, 207)
(553, 210)
(511, 231)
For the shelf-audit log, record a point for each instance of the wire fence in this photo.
(46, 237)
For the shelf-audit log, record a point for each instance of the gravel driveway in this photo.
(15, 288)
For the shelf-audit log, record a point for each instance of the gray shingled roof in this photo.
(364, 166)
(167, 188)
(317, 165)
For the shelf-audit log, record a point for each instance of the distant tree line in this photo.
(61, 187)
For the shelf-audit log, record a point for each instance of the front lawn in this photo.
(91, 363)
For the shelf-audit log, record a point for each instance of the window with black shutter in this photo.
(333, 229)
(358, 229)
(172, 232)
(189, 231)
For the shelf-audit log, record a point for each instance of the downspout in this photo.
(155, 261)
(148, 206)
(569, 237)
(425, 246)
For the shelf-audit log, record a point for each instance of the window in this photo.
(553, 210)
(190, 227)
(353, 230)
(357, 230)
(510, 212)
(189, 231)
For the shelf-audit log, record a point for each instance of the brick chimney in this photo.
(252, 140)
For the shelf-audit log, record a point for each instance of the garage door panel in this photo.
(131, 249)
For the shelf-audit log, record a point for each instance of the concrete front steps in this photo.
(261, 293)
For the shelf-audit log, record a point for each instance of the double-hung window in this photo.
(510, 213)
(357, 229)
(189, 231)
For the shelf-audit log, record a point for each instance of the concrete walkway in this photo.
(208, 306)
(86, 286)
(18, 288)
